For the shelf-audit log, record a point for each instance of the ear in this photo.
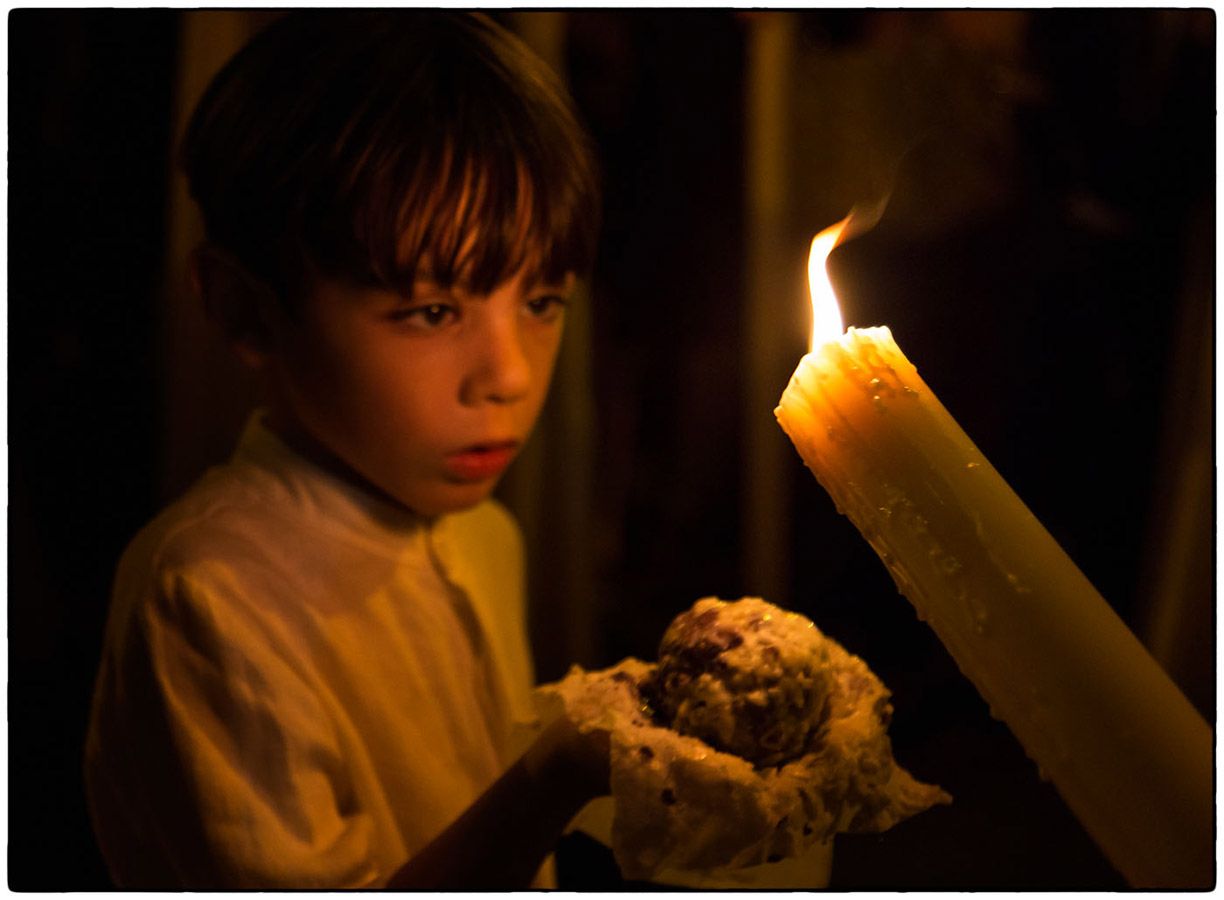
(239, 303)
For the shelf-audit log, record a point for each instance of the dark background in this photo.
(1065, 297)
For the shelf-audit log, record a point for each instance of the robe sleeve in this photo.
(212, 762)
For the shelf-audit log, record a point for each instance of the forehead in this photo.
(526, 278)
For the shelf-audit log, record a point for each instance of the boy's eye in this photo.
(427, 317)
(546, 308)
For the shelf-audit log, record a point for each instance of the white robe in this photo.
(301, 684)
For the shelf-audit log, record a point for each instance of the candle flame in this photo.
(826, 313)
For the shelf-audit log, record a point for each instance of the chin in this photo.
(451, 498)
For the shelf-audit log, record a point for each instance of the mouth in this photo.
(480, 462)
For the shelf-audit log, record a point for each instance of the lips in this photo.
(481, 462)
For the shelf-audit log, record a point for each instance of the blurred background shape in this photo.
(1046, 259)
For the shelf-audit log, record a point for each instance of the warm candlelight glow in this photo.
(826, 314)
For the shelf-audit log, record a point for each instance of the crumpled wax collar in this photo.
(681, 805)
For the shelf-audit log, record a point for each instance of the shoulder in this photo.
(208, 594)
(217, 504)
(223, 526)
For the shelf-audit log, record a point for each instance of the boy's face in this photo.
(427, 398)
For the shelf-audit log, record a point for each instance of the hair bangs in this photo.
(481, 203)
(480, 227)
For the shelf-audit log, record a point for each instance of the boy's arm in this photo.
(502, 839)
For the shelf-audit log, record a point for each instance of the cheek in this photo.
(334, 384)
(367, 390)
(402, 392)
(541, 349)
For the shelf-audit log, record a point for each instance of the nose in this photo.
(502, 371)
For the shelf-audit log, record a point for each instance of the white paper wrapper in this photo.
(682, 806)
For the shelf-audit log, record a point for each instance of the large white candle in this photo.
(1126, 750)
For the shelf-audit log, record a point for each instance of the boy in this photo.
(315, 658)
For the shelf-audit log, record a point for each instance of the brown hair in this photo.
(365, 144)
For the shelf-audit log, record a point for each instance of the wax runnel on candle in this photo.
(1128, 753)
